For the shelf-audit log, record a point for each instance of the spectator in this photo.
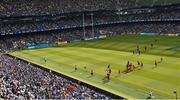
(19, 80)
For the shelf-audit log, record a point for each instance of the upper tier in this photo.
(46, 7)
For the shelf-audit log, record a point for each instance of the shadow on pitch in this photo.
(73, 71)
(90, 76)
(117, 76)
(105, 80)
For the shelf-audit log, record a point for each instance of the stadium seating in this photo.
(39, 7)
(77, 21)
(20, 80)
(30, 23)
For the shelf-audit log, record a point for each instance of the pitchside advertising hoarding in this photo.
(148, 33)
(46, 45)
(96, 37)
(170, 34)
(174, 34)
(62, 43)
(40, 46)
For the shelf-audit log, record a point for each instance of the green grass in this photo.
(116, 51)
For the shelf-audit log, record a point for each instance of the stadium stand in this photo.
(23, 41)
(39, 7)
(20, 80)
(47, 23)
(26, 23)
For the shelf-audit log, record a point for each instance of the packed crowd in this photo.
(17, 42)
(137, 28)
(77, 21)
(50, 7)
(26, 27)
(20, 80)
(154, 15)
